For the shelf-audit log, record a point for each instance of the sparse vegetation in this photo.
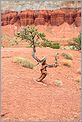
(23, 62)
(31, 35)
(67, 56)
(76, 43)
(67, 63)
(58, 83)
(14, 41)
(54, 45)
(69, 47)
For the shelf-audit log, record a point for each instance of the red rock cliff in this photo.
(42, 17)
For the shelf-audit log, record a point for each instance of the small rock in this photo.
(58, 83)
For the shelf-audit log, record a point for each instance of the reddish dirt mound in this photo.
(25, 99)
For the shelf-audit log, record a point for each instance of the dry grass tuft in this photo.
(67, 56)
(66, 62)
(23, 62)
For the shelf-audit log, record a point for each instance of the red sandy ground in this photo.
(25, 99)
(61, 34)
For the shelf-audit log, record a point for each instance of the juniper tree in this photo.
(30, 34)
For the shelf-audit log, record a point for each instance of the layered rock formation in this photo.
(42, 17)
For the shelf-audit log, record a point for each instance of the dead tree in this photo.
(32, 36)
(44, 64)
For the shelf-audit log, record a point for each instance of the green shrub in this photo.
(67, 56)
(50, 44)
(76, 43)
(23, 62)
(31, 35)
(55, 45)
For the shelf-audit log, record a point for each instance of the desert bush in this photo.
(54, 45)
(72, 47)
(30, 34)
(58, 83)
(23, 62)
(76, 43)
(67, 56)
(67, 63)
(69, 47)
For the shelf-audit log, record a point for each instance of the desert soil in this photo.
(25, 99)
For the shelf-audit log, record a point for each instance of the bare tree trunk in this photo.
(43, 71)
(43, 63)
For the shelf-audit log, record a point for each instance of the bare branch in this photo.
(35, 57)
(56, 62)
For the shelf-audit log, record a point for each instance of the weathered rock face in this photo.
(57, 17)
(78, 14)
(39, 21)
(27, 21)
(70, 17)
(26, 17)
(4, 23)
(41, 17)
(13, 20)
(78, 19)
(26, 14)
(7, 17)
